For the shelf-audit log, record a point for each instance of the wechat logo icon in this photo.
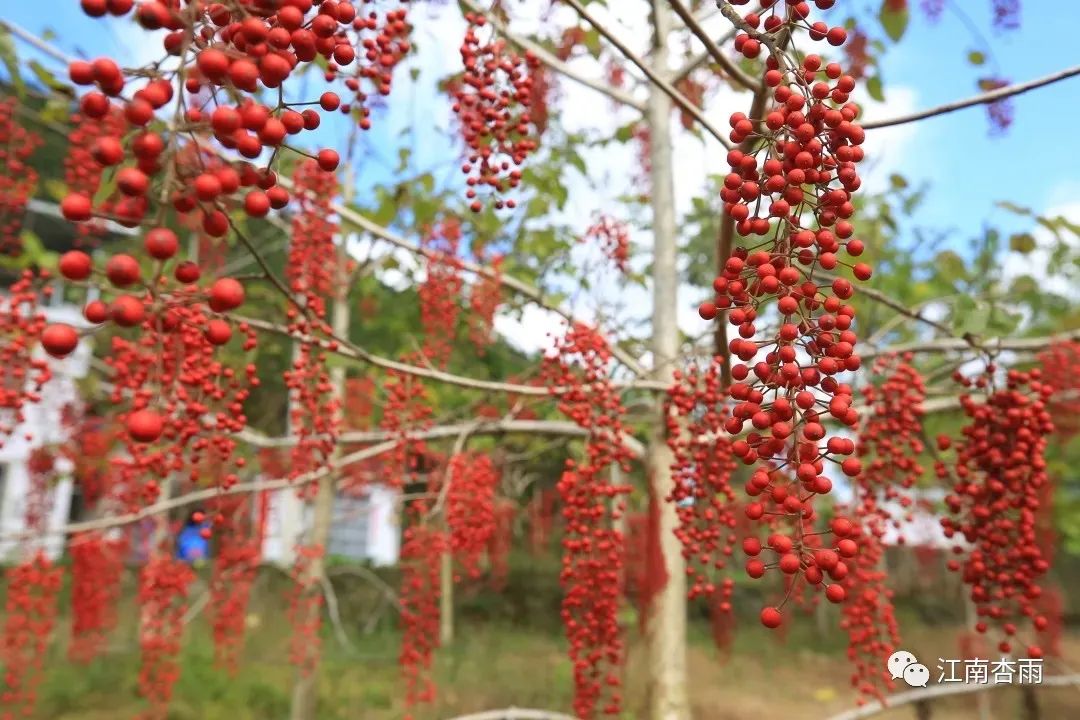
(902, 664)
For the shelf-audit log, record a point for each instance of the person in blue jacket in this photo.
(192, 546)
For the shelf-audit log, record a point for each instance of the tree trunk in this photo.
(665, 621)
(446, 599)
(306, 689)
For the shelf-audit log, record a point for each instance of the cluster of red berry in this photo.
(797, 197)
(18, 179)
(592, 574)
(492, 103)
(999, 480)
(471, 517)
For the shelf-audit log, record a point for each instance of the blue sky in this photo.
(969, 170)
(1032, 165)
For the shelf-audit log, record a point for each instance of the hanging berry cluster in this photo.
(493, 104)
(702, 467)
(236, 563)
(1060, 365)
(440, 293)
(613, 237)
(93, 145)
(593, 554)
(30, 609)
(892, 438)
(484, 300)
(470, 508)
(1000, 476)
(421, 551)
(868, 615)
(97, 569)
(18, 180)
(792, 201)
(164, 584)
(304, 612)
(312, 261)
(891, 441)
(22, 373)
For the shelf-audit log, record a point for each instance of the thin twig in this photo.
(333, 610)
(513, 713)
(981, 99)
(677, 97)
(713, 49)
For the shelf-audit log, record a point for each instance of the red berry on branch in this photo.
(59, 340)
(145, 426)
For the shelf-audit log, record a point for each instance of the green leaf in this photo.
(898, 182)
(105, 190)
(978, 320)
(47, 79)
(875, 89)
(1022, 243)
(894, 22)
(55, 189)
(951, 265)
(976, 58)
(10, 59)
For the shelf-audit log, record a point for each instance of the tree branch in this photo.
(555, 63)
(513, 713)
(945, 690)
(953, 344)
(982, 99)
(347, 349)
(713, 49)
(354, 218)
(677, 97)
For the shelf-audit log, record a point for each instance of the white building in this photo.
(42, 424)
(365, 526)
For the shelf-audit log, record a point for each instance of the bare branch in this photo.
(939, 691)
(677, 97)
(954, 344)
(512, 713)
(334, 612)
(371, 577)
(339, 346)
(713, 49)
(982, 99)
(616, 94)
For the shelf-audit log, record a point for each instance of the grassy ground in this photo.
(495, 663)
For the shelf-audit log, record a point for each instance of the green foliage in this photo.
(894, 20)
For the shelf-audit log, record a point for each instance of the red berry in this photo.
(75, 265)
(226, 294)
(127, 311)
(59, 340)
(771, 618)
(122, 270)
(96, 312)
(187, 272)
(218, 332)
(76, 208)
(145, 426)
(328, 160)
(161, 243)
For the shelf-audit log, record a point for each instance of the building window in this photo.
(349, 531)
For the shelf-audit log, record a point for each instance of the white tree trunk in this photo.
(665, 625)
(306, 689)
